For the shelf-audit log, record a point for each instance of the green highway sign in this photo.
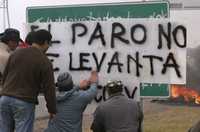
(91, 12)
(97, 11)
(148, 90)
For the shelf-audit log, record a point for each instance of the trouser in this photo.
(16, 113)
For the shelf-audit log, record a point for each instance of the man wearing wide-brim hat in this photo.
(9, 42)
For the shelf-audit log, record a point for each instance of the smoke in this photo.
(193, 68)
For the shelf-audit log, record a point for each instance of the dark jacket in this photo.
(28, 72)
(195, 128)
(117, 114)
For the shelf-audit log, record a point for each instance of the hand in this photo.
(84, 84)
(51, 115)
(93, 77)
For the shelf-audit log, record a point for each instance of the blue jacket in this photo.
(70, 108)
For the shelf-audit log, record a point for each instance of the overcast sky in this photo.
(17, 12)
(17, 8)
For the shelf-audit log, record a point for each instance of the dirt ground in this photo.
(41, 124)
(159, 117)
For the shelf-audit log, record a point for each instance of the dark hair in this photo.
(41, 36)
(114, 87)
(30, 38)
(10, 34)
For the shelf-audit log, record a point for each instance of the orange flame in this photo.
(188, 93)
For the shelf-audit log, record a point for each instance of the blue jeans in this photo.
(16, 113)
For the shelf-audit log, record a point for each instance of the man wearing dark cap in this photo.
(71, 103)
(9, 41)
(118, 113)
(27, 72)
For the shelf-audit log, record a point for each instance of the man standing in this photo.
(118, 113)
(9, 42)
(28, 72)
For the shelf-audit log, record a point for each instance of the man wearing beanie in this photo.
(27, 72)
(9, 41)
(71, 103)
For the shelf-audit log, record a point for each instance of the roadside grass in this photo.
(157, 118)
(172, 119)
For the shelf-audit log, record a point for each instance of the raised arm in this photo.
(89, 93)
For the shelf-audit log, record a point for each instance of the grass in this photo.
(164, 117)
(157, 118)
(171, 119)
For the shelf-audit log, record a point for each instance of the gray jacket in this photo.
(117, 114)
(4, 55)
(70, 108)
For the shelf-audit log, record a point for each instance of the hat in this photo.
(11, 34)
(64, 82)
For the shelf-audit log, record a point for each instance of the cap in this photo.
(11, 34)
(64, 82)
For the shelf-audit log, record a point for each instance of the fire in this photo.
(188, 93)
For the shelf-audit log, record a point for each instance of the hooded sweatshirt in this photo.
(70, 108)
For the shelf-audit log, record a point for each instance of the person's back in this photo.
(28, 71)
(118, 113)
(195, 127)
(70, 107)
(25, 72)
